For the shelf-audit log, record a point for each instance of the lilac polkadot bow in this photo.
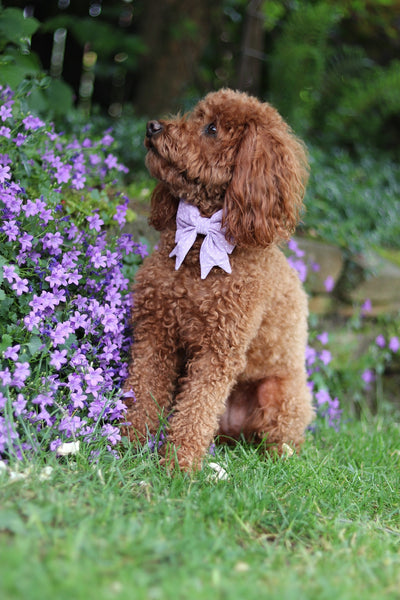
(215, 247)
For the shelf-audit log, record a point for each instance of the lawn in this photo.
(323, 524)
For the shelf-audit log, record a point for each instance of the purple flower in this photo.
(95, 222)
(6, 111)
(31, 321)
(111, 161)
(20, 286)
(329, 283)
(366, 307)
(323, 337)
(120, 215)
(9, 273)
(79, 320)
(20, 139)
(61, 332)
(71, 425)
(26, 241)
(380, 341)
(33, 123)
(4, 174)
(311, 355)
(394, 344)
(110, 321)
(21, 373)
(299, 266)
(63, 174)
(32, 207)
(52, 242)
(5, 376)
(58, 277)
(5, 132)
(293, 246)
(322, 397)
(94, 377)
(107, 140)
(78, 181)
(368, 377)
(97, 408)
(74, 277)
(19, 405)
(11, 230)
(58, 358)
(12, 352)
(78, 399)
(325, 356)
(94, 159)
(112, 433)
(98, 259)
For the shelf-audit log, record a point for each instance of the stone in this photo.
(381, 284)
(329, 259)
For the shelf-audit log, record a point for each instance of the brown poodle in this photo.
(220, 318)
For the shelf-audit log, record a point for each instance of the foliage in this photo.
(298, 62)
(365, 106)
(352, 201)
(64, 301)
(323, 524)
(18, 62)
(337, 93)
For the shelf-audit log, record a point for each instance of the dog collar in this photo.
(215, 248)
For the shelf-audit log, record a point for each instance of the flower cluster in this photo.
(318, 357)
(64, 293)
(381, 352)
(327, 379)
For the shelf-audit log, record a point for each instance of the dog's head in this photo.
(232, 152)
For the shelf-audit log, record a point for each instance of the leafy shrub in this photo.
(352, 202)
(331, 91)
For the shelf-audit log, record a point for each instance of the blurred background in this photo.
(330, 66)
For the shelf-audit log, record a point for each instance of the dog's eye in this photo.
(211, 129)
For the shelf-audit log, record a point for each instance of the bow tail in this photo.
(184, 241)
(213, 254)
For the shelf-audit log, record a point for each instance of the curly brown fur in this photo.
(224, 354)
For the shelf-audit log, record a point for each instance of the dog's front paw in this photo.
(179, 458)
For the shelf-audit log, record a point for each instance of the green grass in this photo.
(324, 525)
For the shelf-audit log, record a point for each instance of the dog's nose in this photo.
(153, 128)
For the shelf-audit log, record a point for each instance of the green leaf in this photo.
(34, 345)
(14, 27)
(6, 342)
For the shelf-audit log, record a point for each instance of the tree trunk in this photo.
(250, 68)
(175, 33)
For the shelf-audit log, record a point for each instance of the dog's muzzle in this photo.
(153, 128)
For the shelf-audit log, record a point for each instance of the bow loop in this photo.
(215, 247)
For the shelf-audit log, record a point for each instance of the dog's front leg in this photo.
(200, 403)
(151, 381)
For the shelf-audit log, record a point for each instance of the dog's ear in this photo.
(264, 197)
(163, 208)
